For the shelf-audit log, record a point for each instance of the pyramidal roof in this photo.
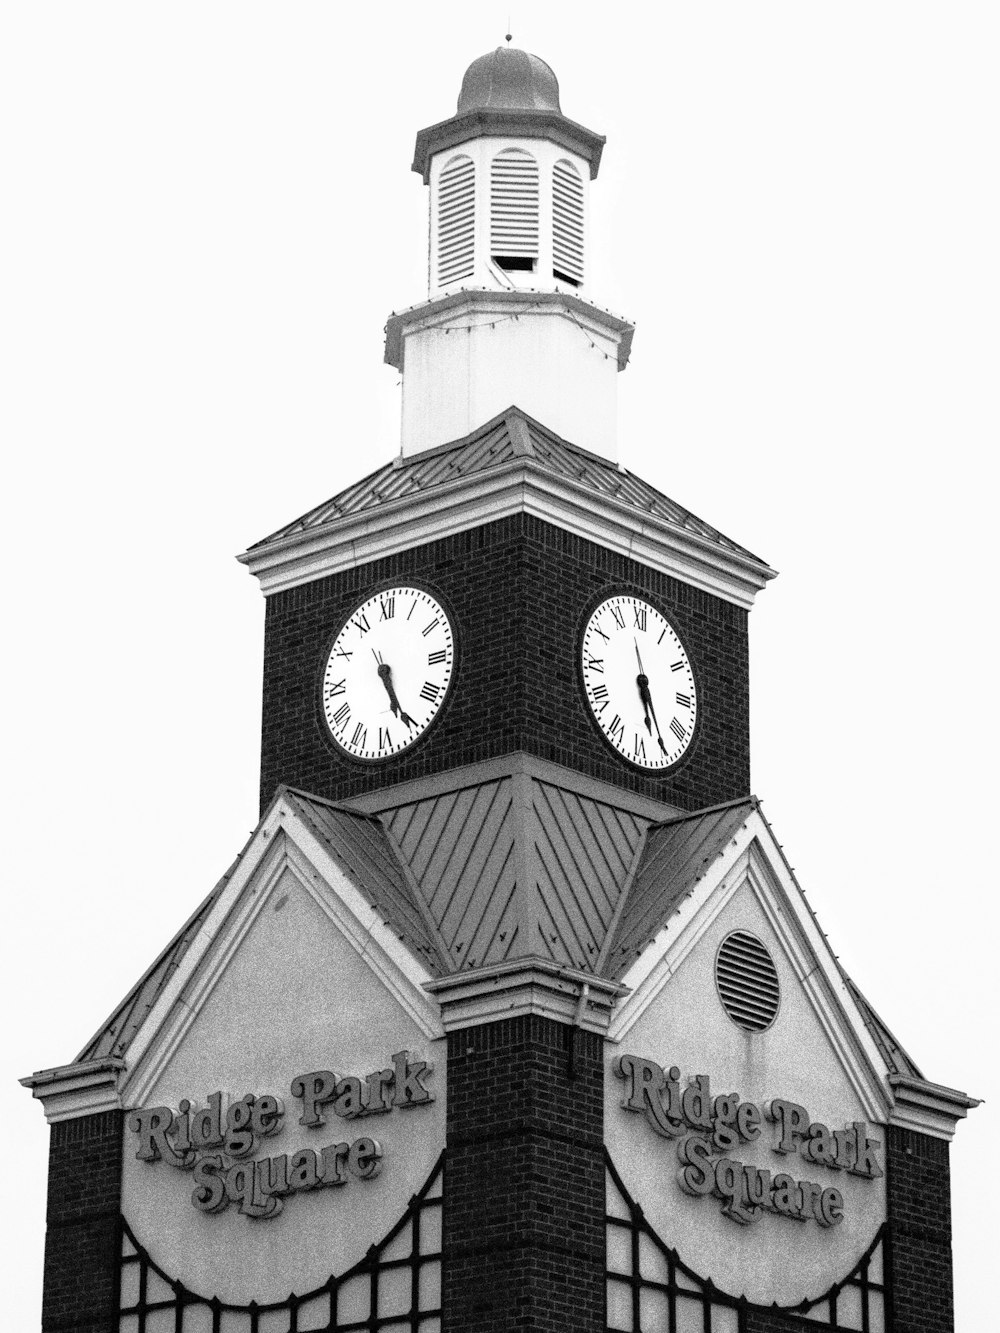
(511, 438)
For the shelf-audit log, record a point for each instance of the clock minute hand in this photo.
(642, 680)
(385, 675)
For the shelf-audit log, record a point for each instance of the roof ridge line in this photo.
(340, 806)
(752, 801)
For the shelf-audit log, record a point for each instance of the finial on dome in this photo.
(508, 92)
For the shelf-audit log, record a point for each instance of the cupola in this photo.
(507, 322)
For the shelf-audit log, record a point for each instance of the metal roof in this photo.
(675, 856)
(359, 845)
(509, 440)
(115, 1035)
(512, 868)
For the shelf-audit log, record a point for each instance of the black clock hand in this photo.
(385, 675)
(642, 680)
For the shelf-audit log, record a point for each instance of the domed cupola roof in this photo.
(508, 93)
(507, 78)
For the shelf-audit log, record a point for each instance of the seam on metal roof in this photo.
(512, 438)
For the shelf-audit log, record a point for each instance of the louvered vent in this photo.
(514, 209)
(456, 234)
(747, 981)
(567, 223)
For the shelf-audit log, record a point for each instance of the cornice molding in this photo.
(518, 122)
(526, 986)
(928, 1108)
(488, 301)
(521, 486)
(72, 1091)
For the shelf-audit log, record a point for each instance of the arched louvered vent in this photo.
(747, 981)
(456, 231)
(514, 210)
(567, 223)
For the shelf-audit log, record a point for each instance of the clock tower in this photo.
(511, 1013)
(502, 586)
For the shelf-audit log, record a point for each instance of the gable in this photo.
(296, 974)
(817, 1054)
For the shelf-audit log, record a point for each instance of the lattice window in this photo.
(567, 223)
(456, 221)
(396, 1288)
(514, 209)
(650, 1290)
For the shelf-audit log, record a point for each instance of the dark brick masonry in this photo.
(81, 1242)
(919, 1188)
(520, 591)
(524, 1180)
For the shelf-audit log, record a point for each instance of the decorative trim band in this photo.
(520, 487)
(928, 1108)
(72, 1091)
(526, 986)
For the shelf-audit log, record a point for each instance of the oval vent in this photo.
(747, 981)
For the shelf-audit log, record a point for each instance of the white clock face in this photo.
(388, 673)
(639, 683)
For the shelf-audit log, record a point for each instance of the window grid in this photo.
(859, 1303)
(156, 1309)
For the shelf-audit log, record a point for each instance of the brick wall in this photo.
(524, 1180)
(919, 1191)
(81, 1241)
(520, 591)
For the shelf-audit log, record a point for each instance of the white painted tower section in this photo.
(507, 322)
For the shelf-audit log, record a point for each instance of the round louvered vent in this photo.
(747, 981)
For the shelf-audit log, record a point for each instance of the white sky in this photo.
(209, 214)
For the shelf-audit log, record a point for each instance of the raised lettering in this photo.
(409, 1089)
(865, 1150)
(831, 1208)
(786, 1197)
(349, 1101)
(152, 1125)
(748, 1122)
(645, 1084)
(209, 1193)
(206, 1124)
(238, 1140)
(334, 1160)
(315, 1090)
(364, 1158)
(696, 1175)
(731, 1185)
(696, 1102)
(792, 1121)
(303, 1173)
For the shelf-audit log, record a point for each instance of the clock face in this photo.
(639, 683)
(388, 673)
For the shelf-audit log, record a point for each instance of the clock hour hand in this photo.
(385, 675)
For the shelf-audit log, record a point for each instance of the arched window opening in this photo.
(567, 223)
(456, 221)
(514, 210)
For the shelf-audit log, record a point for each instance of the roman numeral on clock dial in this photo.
(639, 684)
(387, 673)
